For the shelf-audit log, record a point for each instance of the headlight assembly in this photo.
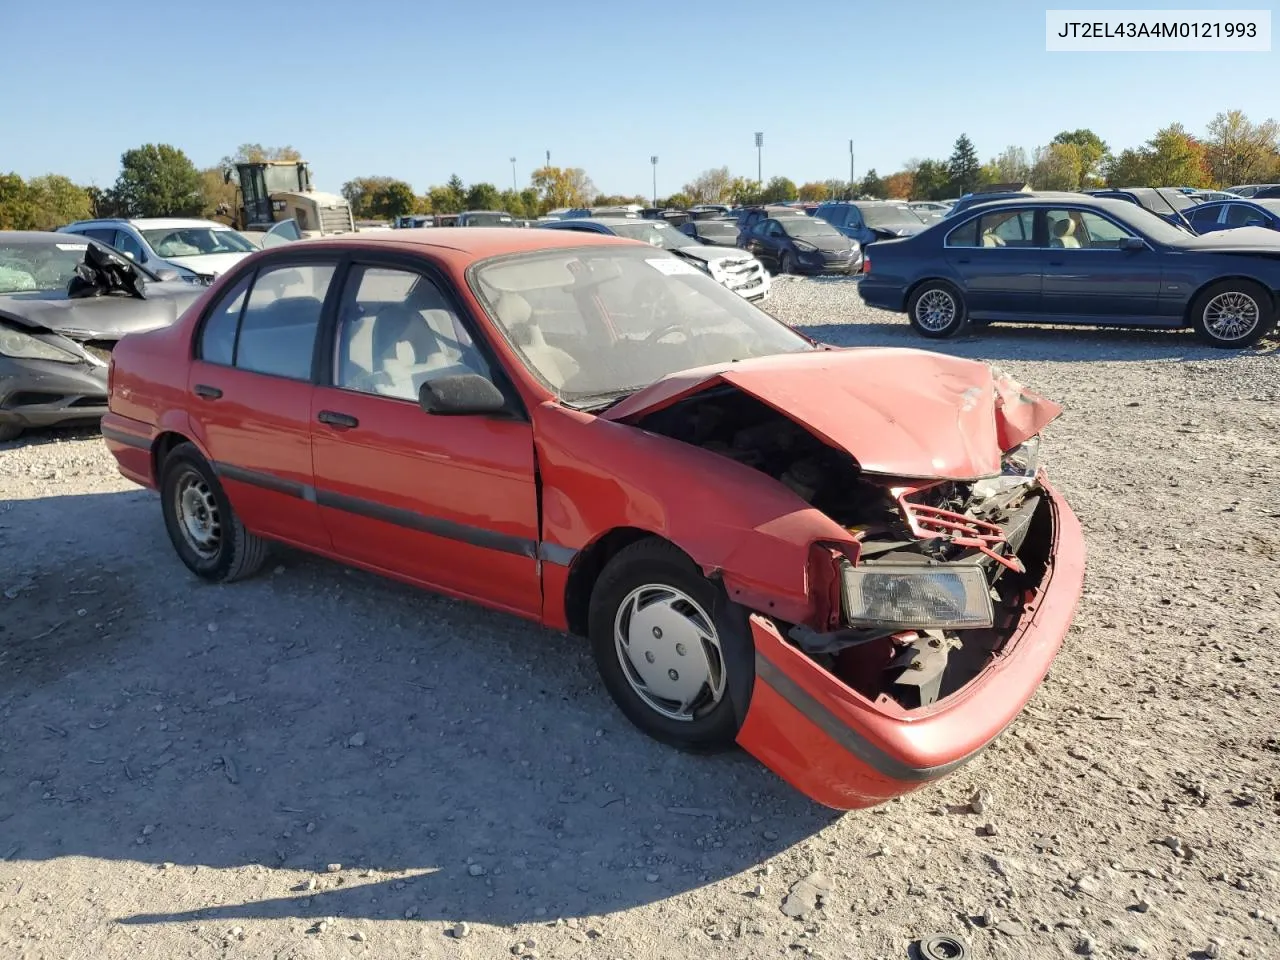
(804, 245)
(23, 346)
(911, 597)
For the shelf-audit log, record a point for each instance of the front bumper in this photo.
(43, 393)
(815, 264)
(845, 752)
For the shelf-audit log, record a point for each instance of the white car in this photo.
(199, 250)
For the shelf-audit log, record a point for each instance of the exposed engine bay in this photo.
(970, 555)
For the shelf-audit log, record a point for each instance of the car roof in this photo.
(614, 221)
(1081, 199)
(475, 241)
(155, 223)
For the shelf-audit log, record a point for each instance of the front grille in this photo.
(741, 273)
(335, 220)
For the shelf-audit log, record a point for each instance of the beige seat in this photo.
(989, 239)
(555, 365)
(1064, 234)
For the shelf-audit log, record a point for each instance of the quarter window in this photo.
(398, 331)
(218, 339)
(965, 235)
(279, 322)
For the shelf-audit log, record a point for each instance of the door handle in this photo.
(206, 391)
(335, 419)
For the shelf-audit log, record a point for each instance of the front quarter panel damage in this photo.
(736, 523)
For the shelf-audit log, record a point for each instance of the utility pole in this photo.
(514, 186)
(548, 158)
(654, 160)
(850, 169)
(759, 160)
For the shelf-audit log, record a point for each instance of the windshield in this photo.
(596, 323)
(807, 227)
(44, 265)
(196, 242)
(1177, 199)
(890, 217)
(717, 230)
(1272, 205)
(661, 235)
(487, 219)
(1155, 227)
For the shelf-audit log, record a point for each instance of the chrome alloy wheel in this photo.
(197, 511)
(935, 310)
(1232, 315)
(669, 651)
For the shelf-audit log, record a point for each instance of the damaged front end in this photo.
(936, 583)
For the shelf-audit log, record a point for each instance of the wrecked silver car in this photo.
(64, 304)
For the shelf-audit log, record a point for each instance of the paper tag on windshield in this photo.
(72, 246)
(671, 266)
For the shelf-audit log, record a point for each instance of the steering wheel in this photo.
(661, 332)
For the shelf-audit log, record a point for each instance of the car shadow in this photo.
(37, 436)
(1029, 342)
(449, 762)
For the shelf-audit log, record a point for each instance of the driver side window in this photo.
(396, 330)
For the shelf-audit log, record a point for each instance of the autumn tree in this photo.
(1092, 151)
(1240, 151)
(898, 186)
(964, 168)
(710, 186)
(1128, 168)
(563, 187)
(1012, 165)
(217, 194)
(814, 190)
(744, 191)
(1175, 158)
(1058, 166)
(158, 180)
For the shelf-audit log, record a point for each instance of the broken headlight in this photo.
(23, 346)
(1017, 468)
(910, 597)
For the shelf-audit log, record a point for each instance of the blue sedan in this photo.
(1085, 261)
(1229, 214)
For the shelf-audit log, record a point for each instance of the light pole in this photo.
(850, 169)
(515, 187)
(654, 160)
(759, 160)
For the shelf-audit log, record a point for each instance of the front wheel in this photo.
(788, 265)
(669, 648)
(1232, 314)
(204, 529)
(937, 310)
(9, 431)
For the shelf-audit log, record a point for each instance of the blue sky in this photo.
(420, 90)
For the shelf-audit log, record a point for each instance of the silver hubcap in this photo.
(1232, 315)
(669, 651)
(935, 310)
(197, 512)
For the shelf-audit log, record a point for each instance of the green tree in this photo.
(532, 203)
(563, 187)
(458, 191)
(15, 203)
(744, 191)
(1058, 166)
(217, 195)
(932, 181)
(56, 201)
(483, 196)
(443, 200)
(513, 203)
(679, 201)
(360, 193)
(158, 180)
(872, 185)
(1128, 168)
(1093, 151)
(1240, 151)
(778, 189)
(964, 168)
(395, 199)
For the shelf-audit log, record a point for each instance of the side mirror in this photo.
(1132, 243)
(167, 274)
(460, 394)
(1253, 222)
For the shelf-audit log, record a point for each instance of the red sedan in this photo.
(846, 560)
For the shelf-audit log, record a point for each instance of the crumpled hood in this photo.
(215, 264)
(100, 318)
(898, 412)
(707, 253)
(1235, 240)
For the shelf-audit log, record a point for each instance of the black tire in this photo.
(940, 321)
(1248, 298)
(788, 263)
(9, 431)
(656, 563)
(234, 553)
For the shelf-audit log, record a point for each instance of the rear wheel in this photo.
(669, 648)
(937, 310)
(1233, 314)
(9, 431)
(204, 529)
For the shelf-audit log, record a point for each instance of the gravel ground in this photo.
(319, 763)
